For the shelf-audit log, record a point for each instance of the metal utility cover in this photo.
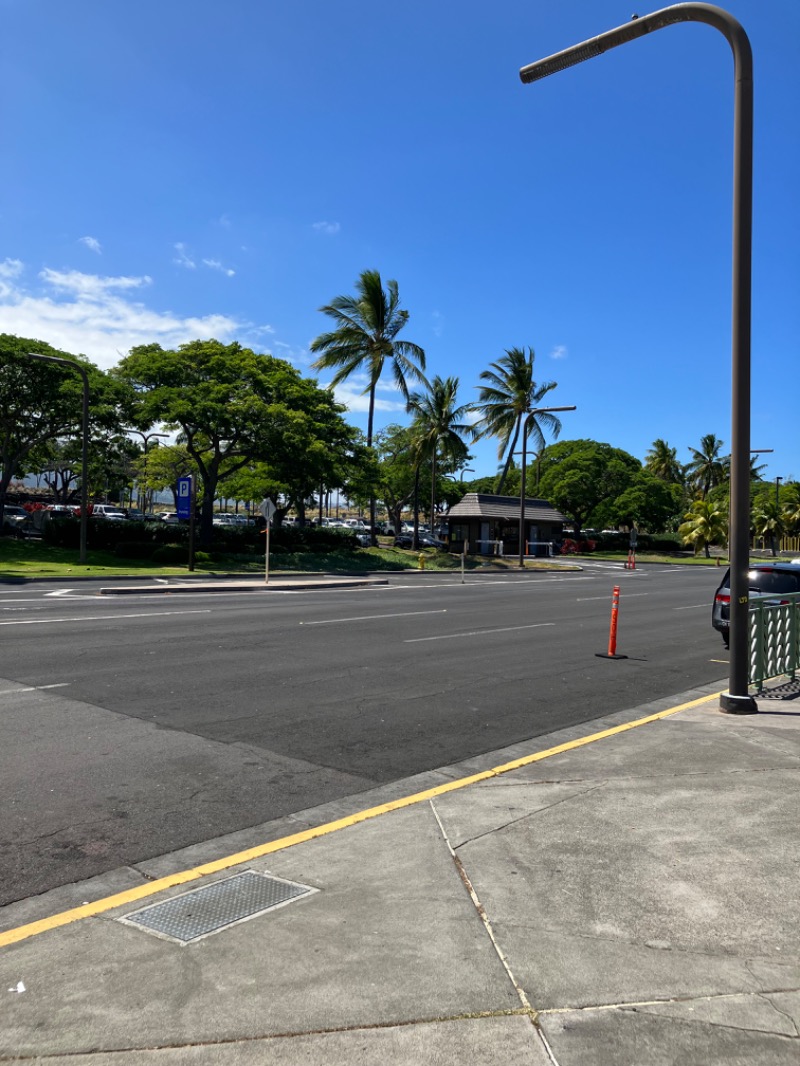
(203, 911)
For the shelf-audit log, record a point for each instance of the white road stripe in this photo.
(59, 592)
(623, 595)
(369, 618)
(694, 607)
(33, 688)
(97, 618)
(477, 633)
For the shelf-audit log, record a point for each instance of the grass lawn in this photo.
(20, 559)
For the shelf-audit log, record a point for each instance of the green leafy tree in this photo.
(483, 485)
(649, 503)
(662, 462)
(42, 403)
(706, 523)
(161, 466)
(578, 476)
(707, 467)
(509, 394)
(397, 471)
(439, 427)
(232, 407)
(365, 337)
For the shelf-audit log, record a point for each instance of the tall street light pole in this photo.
(778, 481)
(146, 438)
(84, 441)
(525, 430)
(737, 700)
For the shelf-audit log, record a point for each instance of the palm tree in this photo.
(705, 523)
(439, 427)
(662, 462)
(707, 467)
(504, 402)
(769, 520)
(365, 337)
(791, 513)
(756, 469)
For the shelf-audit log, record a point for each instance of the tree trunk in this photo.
(433, 493)
(510, 456)
(372, 510)
(415, 541)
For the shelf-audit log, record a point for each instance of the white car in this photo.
(105, 510)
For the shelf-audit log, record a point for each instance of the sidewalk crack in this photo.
(532, 814)
(528, 1009)
(775, 1007)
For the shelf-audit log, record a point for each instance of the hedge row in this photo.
(108, 536)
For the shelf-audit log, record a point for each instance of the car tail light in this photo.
(722, 597)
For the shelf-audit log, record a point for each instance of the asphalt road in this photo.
(132, 727)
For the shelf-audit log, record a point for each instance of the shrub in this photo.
(171, 554)
(134, 549)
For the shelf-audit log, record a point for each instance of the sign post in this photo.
(185, 510)
(267, 509)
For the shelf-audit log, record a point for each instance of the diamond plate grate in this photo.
(209, 909)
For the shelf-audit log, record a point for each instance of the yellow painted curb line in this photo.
(152, 888)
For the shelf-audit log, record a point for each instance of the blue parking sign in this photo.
(184, 497)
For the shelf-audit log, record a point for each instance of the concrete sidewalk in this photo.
(628, 899)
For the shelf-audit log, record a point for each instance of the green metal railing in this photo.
(774, 637)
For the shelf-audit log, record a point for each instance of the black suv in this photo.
(16, 521)
(764, 579)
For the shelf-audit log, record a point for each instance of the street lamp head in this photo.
(637, 27)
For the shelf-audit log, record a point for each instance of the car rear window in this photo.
(767, 581)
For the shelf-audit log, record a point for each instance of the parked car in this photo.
(424, 540)
(16, 521)
(171, 517)
(764, 579)
(106, 510)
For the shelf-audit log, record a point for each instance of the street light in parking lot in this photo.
(737, 700)
(73, 365)
(146, 438)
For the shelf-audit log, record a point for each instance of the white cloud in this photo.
(96, 316)
(92, 244)
(215, 264)
(182, 258)
(9, 269)
(91, 286)
(559, 352)
(438, 323)
(351, 394)
(329, 228)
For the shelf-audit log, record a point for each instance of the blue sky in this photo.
(184, 169)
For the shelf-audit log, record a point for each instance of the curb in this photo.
(232, 586)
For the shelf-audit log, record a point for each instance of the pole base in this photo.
(737, 704)
(605, 655)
